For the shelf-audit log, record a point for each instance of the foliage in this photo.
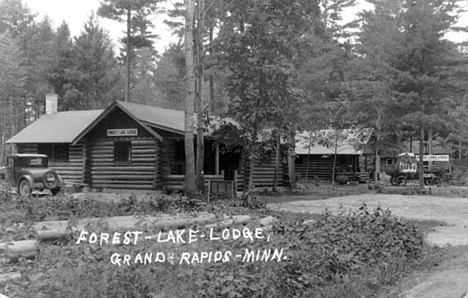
(87, 206)
(135, 13)
(348, 254)
(93, 73)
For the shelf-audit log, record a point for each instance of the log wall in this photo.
(176, 182)
(140, 173)
(73, 169)
(69, 171)
(264, 172)
(318, 166)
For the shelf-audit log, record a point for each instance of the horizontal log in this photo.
(121, 186)
(144, 160)
(111, 162)
(71, 170)
(131, 178)
(123, 173)
(111, 180)
(17, 249)
(124, 167)
(52, 235)
(4, 277)
(143, 151)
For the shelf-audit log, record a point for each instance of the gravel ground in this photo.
(452, 211)
(450, 280)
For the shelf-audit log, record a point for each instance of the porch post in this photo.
(217, 159)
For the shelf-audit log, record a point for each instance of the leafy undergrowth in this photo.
(312, 192)
(349, 254)
(15, 209)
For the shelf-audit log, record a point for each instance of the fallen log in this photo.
(54, 230)
(4, 277)
(14, 250)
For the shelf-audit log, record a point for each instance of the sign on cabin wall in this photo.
(122, 132)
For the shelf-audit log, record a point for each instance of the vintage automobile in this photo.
(28, 172)
(406, 168)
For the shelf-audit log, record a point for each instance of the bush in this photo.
(348, 254)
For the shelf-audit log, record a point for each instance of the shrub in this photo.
(348, 254)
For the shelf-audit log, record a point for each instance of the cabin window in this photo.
(55, 152)
(178, 161)
(122, 151)
(389, 162)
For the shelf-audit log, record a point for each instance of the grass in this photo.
(85, 271)
(312, 192)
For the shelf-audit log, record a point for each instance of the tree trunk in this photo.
(211, 74)
(190, 185)
(292, 158)
(199, 105)
(277, 162)
(430, 148)
(251, 153)
(308, 158)
(127, 59)
(335, 155)
(460, 148)
(421, 158)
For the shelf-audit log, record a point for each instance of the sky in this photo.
(76, 13)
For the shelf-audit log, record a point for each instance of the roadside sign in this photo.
(434, 157)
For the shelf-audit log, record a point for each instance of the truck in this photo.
(437, 169)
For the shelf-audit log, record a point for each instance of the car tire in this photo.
(24, 188)
(46, 183)
(401, 180)
(437, 182)
(55, 191)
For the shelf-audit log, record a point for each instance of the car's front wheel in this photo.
(24, 189)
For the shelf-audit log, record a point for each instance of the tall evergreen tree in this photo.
(135, 14)
(94, 72)
(415, 54)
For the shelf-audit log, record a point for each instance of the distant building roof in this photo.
(350, 142)
(61, 127)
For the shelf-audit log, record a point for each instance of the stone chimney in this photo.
(51, 103)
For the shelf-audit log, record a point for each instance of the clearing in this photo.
(449, 279)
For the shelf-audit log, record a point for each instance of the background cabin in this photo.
(315, 159)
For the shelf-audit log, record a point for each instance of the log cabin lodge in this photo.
(134, 146)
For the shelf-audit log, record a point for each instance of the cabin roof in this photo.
(71, 126)
(61, 127)
(173, 120)
(351, 142)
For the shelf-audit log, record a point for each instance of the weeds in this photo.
(347, 254)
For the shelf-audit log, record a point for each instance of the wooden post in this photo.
(235, 182)
(217, 159)
(156, 165)
(222, 173)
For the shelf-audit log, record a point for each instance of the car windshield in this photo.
(32, 162)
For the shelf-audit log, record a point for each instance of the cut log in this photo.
(17, 249)
(4, 277)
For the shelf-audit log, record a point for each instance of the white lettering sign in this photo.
(434, 157)
(122, 132)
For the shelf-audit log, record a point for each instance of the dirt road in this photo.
(450, 280)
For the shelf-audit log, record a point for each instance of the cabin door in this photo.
(229, 162)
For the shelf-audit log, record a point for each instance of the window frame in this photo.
(50, 149)
(118, 144)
